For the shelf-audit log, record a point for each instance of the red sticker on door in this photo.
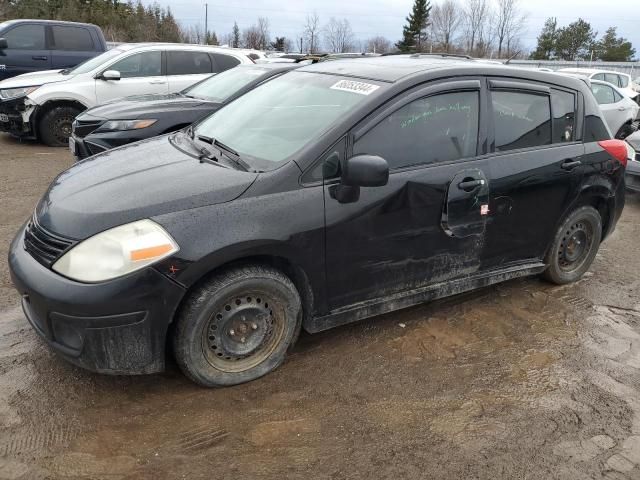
(484, 209)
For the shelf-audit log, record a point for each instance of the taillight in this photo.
(617, 149)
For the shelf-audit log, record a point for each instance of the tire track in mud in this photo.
(34, 439)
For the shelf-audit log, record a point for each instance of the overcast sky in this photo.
(369, 18)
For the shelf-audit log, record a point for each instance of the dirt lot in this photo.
(521, 380)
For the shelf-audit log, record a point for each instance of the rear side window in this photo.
(434, 129)
(26, 37)
(564, 116)
(72, 38)
(188, 63)
(603, 93)
(521, 120)
(146, 64)
(612, 79)
(224, 62)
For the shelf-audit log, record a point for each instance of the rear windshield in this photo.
(278, 118)
(224, 85)
(95, 62)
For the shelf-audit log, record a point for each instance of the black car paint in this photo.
(172, 112)
(19, 61)
(392, 247)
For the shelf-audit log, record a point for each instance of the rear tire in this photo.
(574, 247)
(237, 326)
(55, 125)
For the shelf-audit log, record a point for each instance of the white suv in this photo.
(617, 79)
(44, 104)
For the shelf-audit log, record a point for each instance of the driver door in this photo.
(140, 74)
(427, 224)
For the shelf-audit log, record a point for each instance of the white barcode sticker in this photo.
(355, 87)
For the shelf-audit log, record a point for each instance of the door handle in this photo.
(39, 57)
(470, 185)
(622, 109)
(157, 82)
(570, 164)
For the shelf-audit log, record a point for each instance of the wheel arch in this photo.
(50, 105)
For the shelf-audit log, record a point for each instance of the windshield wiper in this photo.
(232, 155)
(65, 71)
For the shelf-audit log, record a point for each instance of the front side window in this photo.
(188, 63)
(604, 94)
(95, 62)
(564, 116)
(146, 64)
(434, 129)
(72, 38)
(521, 120)
(275, 120)
(26, 37)
(612, 78)
(598, 76)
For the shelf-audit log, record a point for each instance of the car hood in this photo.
(34, 78)
(136, 181)
(143, 106)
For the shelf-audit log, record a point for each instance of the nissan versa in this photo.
(330, 194)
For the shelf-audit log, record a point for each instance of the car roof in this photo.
(177, 46)
(590, 71)
(37, 20)
(385, 68)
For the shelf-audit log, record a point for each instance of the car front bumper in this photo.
(116, 327)
(16, 115)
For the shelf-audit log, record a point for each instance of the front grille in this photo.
(43, 245)
(82, 128)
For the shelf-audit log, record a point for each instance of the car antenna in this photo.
(512, 57)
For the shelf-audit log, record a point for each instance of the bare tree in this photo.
(338, 35)
(311, 33)
(252, 37)
(509, 24)
(476, 17)
(446, 21)
(193, 34)
(263, 28)
(378, 44)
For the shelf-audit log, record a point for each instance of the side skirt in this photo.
(397, 301)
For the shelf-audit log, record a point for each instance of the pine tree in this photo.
(546, 40)
(235, 35)
(611, 48)
(413, 33)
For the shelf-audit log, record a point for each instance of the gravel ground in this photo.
(520, 380)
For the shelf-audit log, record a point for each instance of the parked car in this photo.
(43, 105)
(632, 172)
(620, 112)
(330, 194)
(617, 79)
(135, 118)
(33, 45)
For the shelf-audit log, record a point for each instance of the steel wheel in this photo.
(575, 246)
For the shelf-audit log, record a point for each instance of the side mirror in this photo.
(364, 171)
(111, 75)
(3, 43)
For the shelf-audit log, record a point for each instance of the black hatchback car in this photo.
(330, 194)
(131, 119)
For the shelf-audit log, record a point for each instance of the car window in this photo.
(329, 165)
(95, 62)
(72, 38)
(278, 118)
(612, 79)
(145, 64)
(564, 116)
(624, 81)
(224, 62)
(26, 37)
(434, 129)
(521, 120)
(603, 93)
(598, 76)
(220, 87)
(616, 96)
(188, 63)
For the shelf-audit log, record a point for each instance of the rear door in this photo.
(426, 225)
(535, 168)
(27, 50)
(140, 74)
(184, 68)
(70, 45)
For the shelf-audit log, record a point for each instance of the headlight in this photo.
(126, 124)
(116, 252)
(16, 92)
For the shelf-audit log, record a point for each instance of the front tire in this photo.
(574, 247)
(237, 326)
(55, 125)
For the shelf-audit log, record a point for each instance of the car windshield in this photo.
(278, 118)
(95, 62)
(223, 85)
